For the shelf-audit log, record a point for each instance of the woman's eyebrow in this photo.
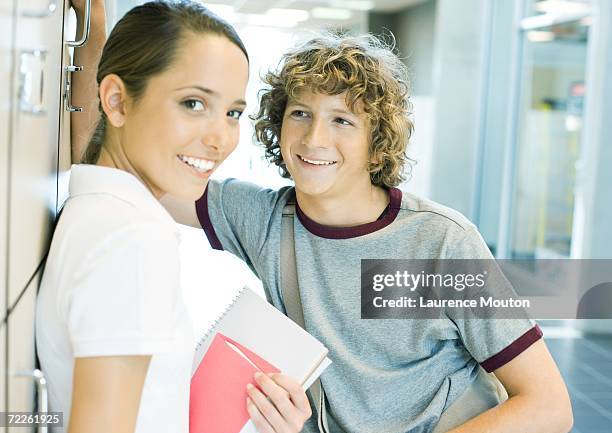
(210, 92)
(201, 89)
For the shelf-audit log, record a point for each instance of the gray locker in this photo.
(33, 150)
(34, 146)
(6, 62)
(21, 381)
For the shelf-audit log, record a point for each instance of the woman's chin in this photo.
(189, 192)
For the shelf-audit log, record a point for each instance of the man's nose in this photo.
(317, 134)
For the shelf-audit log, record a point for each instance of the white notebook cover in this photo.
(258, 325)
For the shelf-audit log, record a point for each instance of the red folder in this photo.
(218, 387)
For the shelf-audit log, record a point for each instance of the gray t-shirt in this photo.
(387, 375)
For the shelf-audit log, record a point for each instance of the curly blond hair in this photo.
(367, 70)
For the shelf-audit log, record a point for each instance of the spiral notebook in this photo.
(250, 335)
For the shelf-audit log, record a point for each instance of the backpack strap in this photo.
(290, 294)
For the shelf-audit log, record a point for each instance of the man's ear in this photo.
(113, 95)
(374, 157)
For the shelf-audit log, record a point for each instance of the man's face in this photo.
(325, 145)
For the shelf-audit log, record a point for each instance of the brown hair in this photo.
(144, 43)
(364, 67)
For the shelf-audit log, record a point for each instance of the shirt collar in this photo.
(95, 179)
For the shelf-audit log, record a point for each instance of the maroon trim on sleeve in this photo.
(395, 201)
(201, 206)
(513, 350)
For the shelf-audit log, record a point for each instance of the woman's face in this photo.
(186, 123)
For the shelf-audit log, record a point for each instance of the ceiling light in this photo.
(295, 15)
(563, 7)
(331, 13)
(265, 20)
(356, 5)
(226, 12)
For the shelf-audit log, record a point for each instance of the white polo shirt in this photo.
(111, 287)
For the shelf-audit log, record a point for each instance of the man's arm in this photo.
(538, 399)
(84, 86)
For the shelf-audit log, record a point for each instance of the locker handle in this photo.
(41, 392)
(68, 89)
(51, 7)
(86, 27)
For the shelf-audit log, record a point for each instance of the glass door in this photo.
(547, 146)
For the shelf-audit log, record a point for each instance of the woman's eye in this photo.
(234, 114)
(194, 105)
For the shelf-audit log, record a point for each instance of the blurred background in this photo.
(512, 101)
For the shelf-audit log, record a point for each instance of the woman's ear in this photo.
(113, 95)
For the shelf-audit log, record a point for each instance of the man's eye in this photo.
(342, 121)
(234, 114)
(298, 113)
(194, 105)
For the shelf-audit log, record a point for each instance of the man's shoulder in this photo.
(420, 209)
(243, 193)
(430, 229)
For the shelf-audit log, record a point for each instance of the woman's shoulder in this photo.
(95, 222)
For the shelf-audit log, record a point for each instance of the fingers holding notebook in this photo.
(296, 392)
(280, 406)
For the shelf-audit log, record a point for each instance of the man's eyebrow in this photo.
(211, 92)
(343, 111)
(294, 102)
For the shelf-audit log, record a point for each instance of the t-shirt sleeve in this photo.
(124, 299)
(492, 342)
(237, 217)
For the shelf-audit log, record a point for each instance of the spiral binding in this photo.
(220, 317)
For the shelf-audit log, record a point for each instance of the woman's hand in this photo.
(282, 407)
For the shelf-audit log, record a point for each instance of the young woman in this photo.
(112, 331)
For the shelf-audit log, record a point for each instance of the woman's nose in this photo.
(216, 136)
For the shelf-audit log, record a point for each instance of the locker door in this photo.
(36, 96)
(21, 361)
(6, 62)
(3, 389)
(64, 156)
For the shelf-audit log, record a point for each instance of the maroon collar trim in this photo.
(395, 200)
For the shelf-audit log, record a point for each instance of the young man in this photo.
(335, 119)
